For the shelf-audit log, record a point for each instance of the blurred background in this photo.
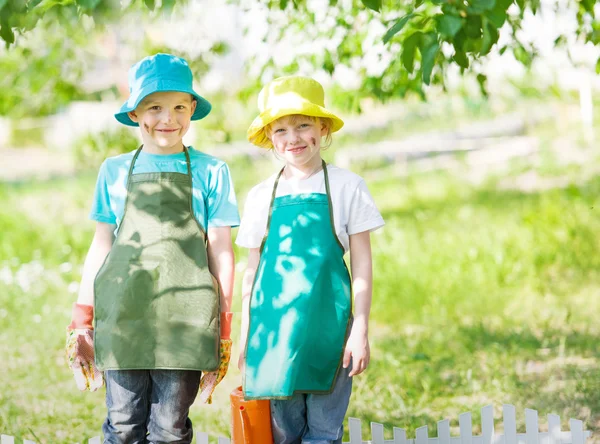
(475, 125)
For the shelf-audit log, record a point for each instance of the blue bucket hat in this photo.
(160, 72)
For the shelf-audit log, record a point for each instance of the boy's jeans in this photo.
(149, 406)
(313, 419)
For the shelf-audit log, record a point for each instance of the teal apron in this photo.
(300, 304)
(156, 305)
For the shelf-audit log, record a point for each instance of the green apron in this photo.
(300, 304)
(156, 304)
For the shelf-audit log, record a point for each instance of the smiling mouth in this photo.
(297, 150)
(167, 130)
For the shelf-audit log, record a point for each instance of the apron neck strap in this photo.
(187, 161)
(274, 194)
(135, 156)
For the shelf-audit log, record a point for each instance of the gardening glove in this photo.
(209, 380)
(80, 349)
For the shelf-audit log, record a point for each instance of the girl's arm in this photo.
(357, 346)
(221, 262)
(247, 282)
(99, 249)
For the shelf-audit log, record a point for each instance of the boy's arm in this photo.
(80, 337)
(99, 249)
(357, 346)
(221, 262)
(248, 281)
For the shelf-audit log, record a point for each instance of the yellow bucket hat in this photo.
(286, 96)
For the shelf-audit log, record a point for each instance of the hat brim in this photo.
(256, 132)
(203, 106)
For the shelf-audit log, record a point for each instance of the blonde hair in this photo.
(325, 121)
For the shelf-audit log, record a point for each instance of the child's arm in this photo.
(248, 281)
(80, 336)
(221, 262)
(99, 249)
(357, 346)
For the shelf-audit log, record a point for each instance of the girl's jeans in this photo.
(149, 406)
(313, 419)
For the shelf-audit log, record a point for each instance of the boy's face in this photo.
(298, 139)
(164, 118)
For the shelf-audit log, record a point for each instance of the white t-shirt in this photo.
(354, 210)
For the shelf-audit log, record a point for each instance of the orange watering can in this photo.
(250, 420)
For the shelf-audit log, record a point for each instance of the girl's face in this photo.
(164, 118)
(297, 139)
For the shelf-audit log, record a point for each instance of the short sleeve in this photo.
(101, 209)
(221, 202)
(254, 222)
(363, 214)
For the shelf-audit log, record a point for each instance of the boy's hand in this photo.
(358, 349)
(210, 380)
(80, 349)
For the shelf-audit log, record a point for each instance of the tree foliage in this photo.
(393, 47)
(20, 16)
(422, 39)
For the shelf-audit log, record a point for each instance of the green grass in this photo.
(480, 296)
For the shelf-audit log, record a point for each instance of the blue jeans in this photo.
(149, 406)
(313, 419)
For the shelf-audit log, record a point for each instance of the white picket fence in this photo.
(532, 433)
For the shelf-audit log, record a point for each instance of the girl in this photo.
(300, 342)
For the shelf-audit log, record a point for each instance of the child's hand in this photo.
(358, 349)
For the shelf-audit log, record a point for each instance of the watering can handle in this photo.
(245, 425)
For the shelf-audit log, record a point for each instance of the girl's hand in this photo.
(358, 349)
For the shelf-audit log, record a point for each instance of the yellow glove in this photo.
(209, 380)
(80, 349)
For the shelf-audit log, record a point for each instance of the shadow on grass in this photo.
(441, 373)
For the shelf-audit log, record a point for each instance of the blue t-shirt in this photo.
(214, 201)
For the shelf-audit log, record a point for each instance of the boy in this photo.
(155, 299)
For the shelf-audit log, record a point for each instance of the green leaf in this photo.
(328, 64)
(149, 4)
(482, 80)
(598, 66)
(461, 58)
(375, 5)
(88, 4)
(168, 5)
(418, 3)
(408, 50)
(428, 53)
(483, 5)
(473, 26)
(448, 25)
(490, 36)
(397, 27)
(283, 4)
(2, 3)
(7, 33)
(497, 16)
(588, 5)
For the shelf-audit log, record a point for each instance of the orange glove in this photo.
(209, 380)
(80, 349)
